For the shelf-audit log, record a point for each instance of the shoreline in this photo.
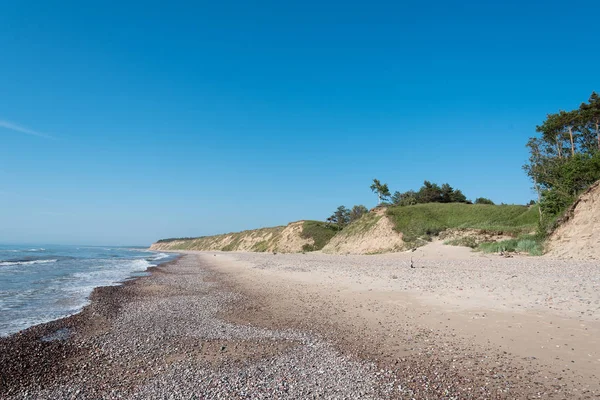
(51, 341)
(58, 282)
(108, 356)
(214, 324)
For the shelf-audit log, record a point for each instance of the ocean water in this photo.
(41, 284)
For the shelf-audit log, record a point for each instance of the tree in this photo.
(382, 190)
(551, 133)
(567, 121)
(559, 178)
(458, 197)
(590, 114)
(429, 193)
(483, 200)
(397, 198)
(341, 217)
(446, 193)
(357, 212)
(407, 198)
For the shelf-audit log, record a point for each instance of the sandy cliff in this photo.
(373, 233)
(578, 236)
(284, 239)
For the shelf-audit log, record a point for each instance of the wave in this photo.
(160, 256)
(25, 262)
(86, 281)
(22, 250)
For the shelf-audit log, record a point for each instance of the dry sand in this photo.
(578, 236)
(255, 325)
(512, 325)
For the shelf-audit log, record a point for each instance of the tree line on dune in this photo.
(564, 159)
(428, 193)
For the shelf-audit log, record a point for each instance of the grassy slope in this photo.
(415, 222)
(424, 220)
(320, 232)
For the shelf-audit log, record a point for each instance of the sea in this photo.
(42, 283)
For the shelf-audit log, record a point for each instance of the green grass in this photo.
(531, 246)
(422, 221)
(509, 245)
(320, 232)
(525, 244)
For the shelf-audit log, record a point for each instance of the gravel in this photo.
(169, 335)
(160, 337)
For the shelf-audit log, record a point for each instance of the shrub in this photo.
(530, 246)
(525, 244)
(320, 232)
(483, 200)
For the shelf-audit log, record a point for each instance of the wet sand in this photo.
(240, 325)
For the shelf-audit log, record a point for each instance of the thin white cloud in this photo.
(18, 128)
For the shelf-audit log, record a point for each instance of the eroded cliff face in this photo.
(284, 239)
(578, 236)
(373, 233)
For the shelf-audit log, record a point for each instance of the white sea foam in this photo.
(107, 276)
(63, 295)
(160, 256)
(7, 263)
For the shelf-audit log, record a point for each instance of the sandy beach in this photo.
(258, 325)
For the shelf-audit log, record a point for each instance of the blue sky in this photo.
(126, 122)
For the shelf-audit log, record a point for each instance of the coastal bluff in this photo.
(371, 234)
(292, 238)
(483, 227)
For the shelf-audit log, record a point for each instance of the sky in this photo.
(125, 122)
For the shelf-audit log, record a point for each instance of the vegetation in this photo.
(422, 221)
(342, 216)
(533, 245)
(233, 240)
(357, 212)
(176, 239)
(382, 191)
(429, 193)
(483, 200)
(320, 232)
(564, 159)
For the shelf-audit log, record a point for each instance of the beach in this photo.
(261, 325)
